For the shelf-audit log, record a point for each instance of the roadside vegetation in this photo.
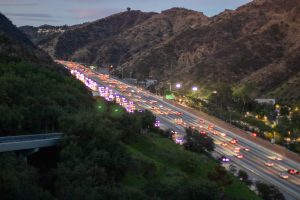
(277, 123)
(106, 153)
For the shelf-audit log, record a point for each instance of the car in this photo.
(210, 127)
(240, 156)
(237, 149)
(202, 132)
(215, 132)
(283, 175)
(292, 171)
(223, 134)
(223, 144)
(278, 158)
(157, 123)
(178, 113)
(224, 159)
(246, 149)
(233, 141)
(269, 164)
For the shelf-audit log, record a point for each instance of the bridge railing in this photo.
(19, 138)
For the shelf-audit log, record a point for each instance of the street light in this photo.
(178, 85)
(194, 88)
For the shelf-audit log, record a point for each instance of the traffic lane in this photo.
(279, 165)
(265, 175)
(174, 127)
(259, 175)
(191, 122)
(256, 157)
(276, 148)
(165, 105)
(289, 162)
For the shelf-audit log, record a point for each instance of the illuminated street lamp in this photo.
(178, 85)
(194, 88)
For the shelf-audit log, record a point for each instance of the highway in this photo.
(254, 156)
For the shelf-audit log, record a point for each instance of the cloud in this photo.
(93, 13)
(35, 15)
(19, 4)
(41, 20)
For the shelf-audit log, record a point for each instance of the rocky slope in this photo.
(257, 43)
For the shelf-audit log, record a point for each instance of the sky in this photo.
(70, 12)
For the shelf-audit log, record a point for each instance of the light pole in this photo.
(178, 85)
(194, 88)
(122, 68)
(170, 86)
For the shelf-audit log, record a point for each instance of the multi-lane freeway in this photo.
(260, 162)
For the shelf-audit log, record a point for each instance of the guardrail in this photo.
(24, 142)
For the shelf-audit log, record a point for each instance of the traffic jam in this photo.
(131, 100)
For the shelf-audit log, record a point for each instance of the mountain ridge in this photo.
(257, 40)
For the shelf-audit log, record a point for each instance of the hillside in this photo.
(159, 163)
(15, 45)
(34, 91)
(257, 43)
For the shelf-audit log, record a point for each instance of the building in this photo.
(266, 101)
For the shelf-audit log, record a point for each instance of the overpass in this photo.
(29, 142)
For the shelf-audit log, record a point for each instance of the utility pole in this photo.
(170, 86)
(122, 72)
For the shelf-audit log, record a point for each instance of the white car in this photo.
(278, 158)
(269, 163)
(283, 175)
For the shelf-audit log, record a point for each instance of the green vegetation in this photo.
(196, 142)
(165, 170)
(33, 98)
(268, 192)
(234, 105)
(106, 153)
(18, 180)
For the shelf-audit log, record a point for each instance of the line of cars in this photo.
(233, 141)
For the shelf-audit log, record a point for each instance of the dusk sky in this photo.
(60, 12)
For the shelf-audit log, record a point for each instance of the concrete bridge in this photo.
(30, 143)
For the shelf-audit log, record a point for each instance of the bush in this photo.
(268, 192)
(196, 142)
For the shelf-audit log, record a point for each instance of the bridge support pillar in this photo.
(25, 153)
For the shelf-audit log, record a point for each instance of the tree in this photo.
(220, 176)
(242, 99)
(223, 98)
(268, 192)
(196, 142)
(296, 120)
(283, 126)
(18, 180)
(244, 177)
(92, 158)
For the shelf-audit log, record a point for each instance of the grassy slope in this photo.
(170, 161)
